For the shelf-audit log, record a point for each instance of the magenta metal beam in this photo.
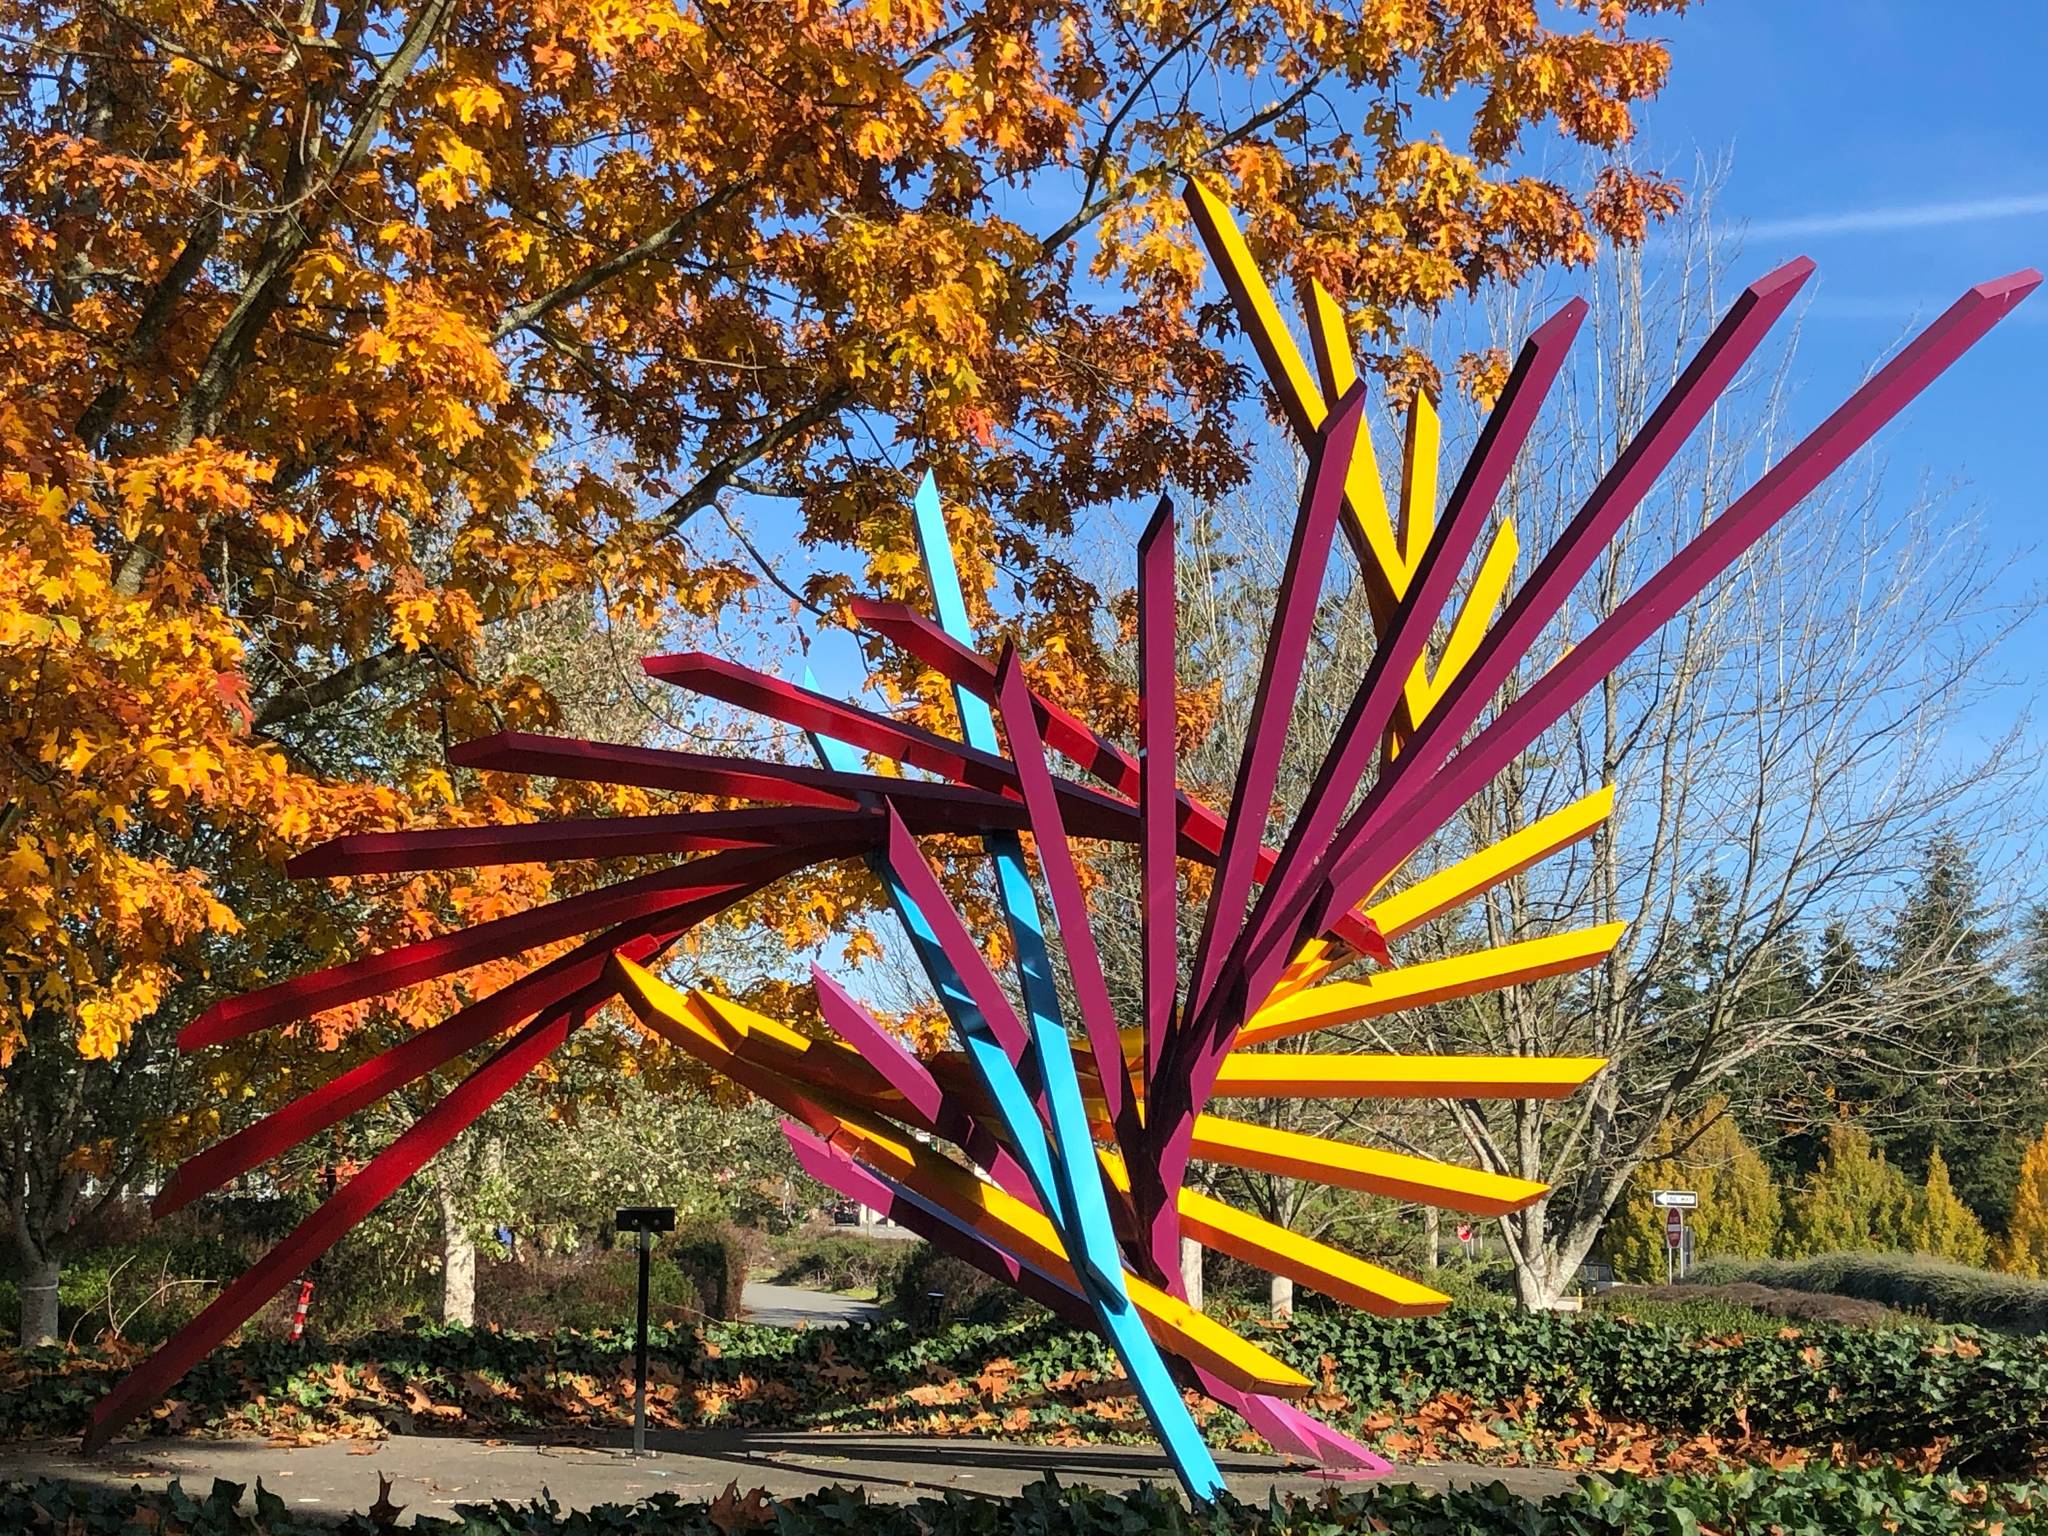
(1272, 701)
(444, 954)
(690, 773)
(1676, 417)
(433, 1048)
(1069, 904)
(1408, 630)
(1285, 1427)
(1365, 856)
(1158, 781)
(245, 1297)
(1201, 828)
(616, 837)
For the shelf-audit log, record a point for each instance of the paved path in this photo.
(430, 1475)
(788, 1306)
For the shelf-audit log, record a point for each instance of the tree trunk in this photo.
(1283, 1298)
(41, 1200)
(38, 1298)
(1432, 1236)
(1191, 1271)
(1546, 1259)
(458, 1260)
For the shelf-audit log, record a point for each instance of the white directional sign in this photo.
(1675, 1199)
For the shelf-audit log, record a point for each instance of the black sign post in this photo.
(644, 1220)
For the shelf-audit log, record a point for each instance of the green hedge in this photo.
(1812, 1503)
(1936, 1288)
(1982, 1396)
(1882, 1390)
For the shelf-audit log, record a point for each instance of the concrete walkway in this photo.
(431, 1475)
(790, 1306)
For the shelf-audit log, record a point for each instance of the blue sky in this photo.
(1901, 144)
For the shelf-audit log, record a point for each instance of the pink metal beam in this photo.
(948, 1115)
(1158, 782)
(1369, 850)
(302, 996)
(390, 1168)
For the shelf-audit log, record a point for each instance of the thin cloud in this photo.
(1982, 210)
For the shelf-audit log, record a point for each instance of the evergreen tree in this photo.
(1942, 1226)
(2025, 1249)
(1857, 1199)
(1962, 1078)
(1740, 1212)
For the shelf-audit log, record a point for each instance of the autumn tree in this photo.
(337, 339)
(1857, 1199)
(2024, 1249)
(1740, 1214)
(1941, 1225)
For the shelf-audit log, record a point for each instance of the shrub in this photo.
(715, 1257)
(1949, 1293)
(963, 1292)
(842, 1261)
(1814, 1501)
(540, 1293)
(1740, 1212)
(1743, 1307)
(1855, 1200)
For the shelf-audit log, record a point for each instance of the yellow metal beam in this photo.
(1433, 981)
(1277, 1251)
(1419, 458)
(1300, 398)
(707, 1026)
(1394, 1174)
(1453, 886)
(1302, 1075)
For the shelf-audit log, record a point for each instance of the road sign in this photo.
(1465, 1232)
(1675, 1199)
(1674, 1227)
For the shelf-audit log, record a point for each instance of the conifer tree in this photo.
(2025, 1249)
(1740, 1213)
(1856, 1200)
(1942, 1226)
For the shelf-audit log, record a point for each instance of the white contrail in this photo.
(1983, 210)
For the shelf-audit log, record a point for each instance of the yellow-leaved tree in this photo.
(1740, 1213)
(1941, 1225)
(2024, 1250)
(1856, 1199)
(339, 339)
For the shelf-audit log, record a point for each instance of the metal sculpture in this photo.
(1068, 1180)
